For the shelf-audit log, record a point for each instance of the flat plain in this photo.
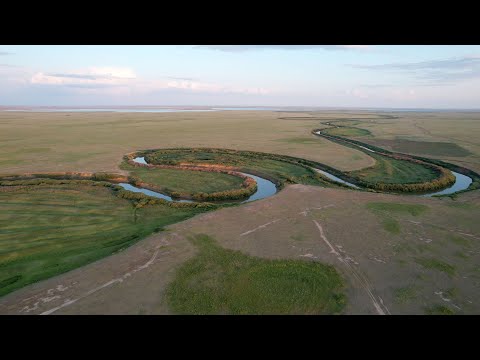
(377, 253)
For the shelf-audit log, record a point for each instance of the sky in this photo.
(383, 76)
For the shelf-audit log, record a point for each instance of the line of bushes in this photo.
(249, 187)
(67, 176)
(141, 200)
(49, 181)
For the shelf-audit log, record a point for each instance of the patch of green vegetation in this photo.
(298, 237)
(223, 281)
(394, 171)
(422, 277)
(459, 240)
(391, 225)
(187, 181)
(462, 205)
(347, 131)
(385, 211)
(460, 254)
(451, 293)
(401, 262)
(401, 248)
(271, 166)
(299, 140)
(49, 229)
(424, 247)
(439, 310)
(412, 209)
(405, 294)
(435, 264)
(434, 148)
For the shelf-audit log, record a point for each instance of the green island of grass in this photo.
(347, 131)
(187, 181)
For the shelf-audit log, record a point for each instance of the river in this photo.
(265, 188)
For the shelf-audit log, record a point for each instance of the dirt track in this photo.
(304, 222)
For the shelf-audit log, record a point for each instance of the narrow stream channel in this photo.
(462, 182)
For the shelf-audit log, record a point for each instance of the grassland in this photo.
(282, 228)
(435, 148)
(435, 264)
(278, 170)
(47, 230)
(391, 207)
(93, 142)
(222, 281)
(449, 136)
(186, 181)
(394, 171)
(347, 131)
(439, 310)
(57, 228)
(386, 212)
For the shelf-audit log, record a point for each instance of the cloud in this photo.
(197, 86)
(434, 72)
(93, 77)
(110, 80)
(242, 48)
(74, 76)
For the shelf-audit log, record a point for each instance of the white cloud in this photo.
(93, 76)
(196, 86)
(115, 81)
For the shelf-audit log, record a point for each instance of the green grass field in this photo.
(395, 171)
(46, 230)
(388, 212)
(94, 142)
(396, 208)
(435, 264)
(347, 131)
(187, 181)
(435, 148)
(275, 169)
(222, 281)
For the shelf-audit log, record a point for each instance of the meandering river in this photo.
(462, 182)
(265, 188)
